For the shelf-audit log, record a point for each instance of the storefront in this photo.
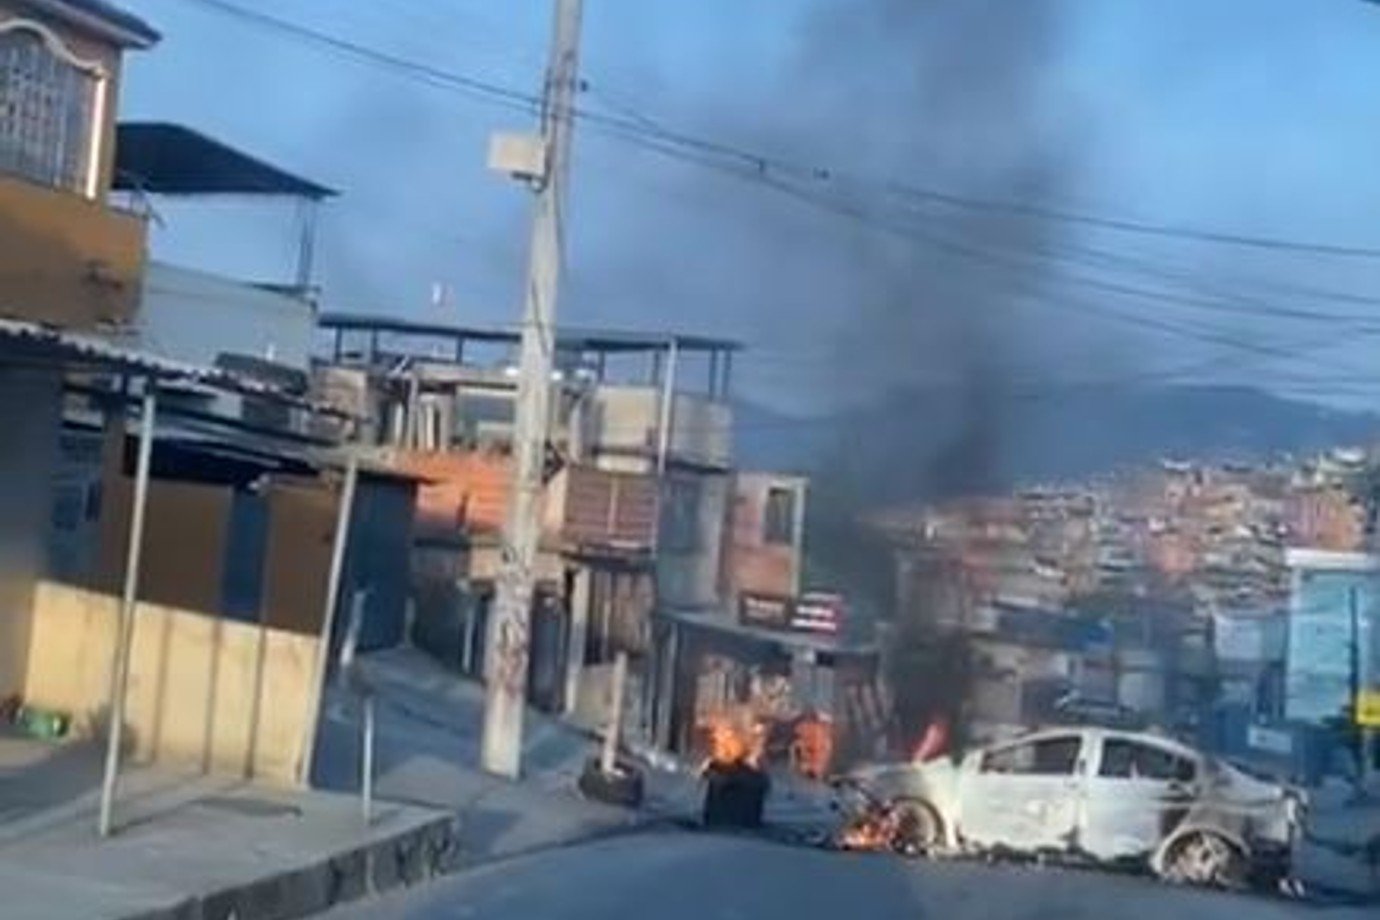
(814, 701)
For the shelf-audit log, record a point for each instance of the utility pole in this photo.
(510, 630)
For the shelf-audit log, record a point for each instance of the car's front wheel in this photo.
(918, 830)
(1206, 859)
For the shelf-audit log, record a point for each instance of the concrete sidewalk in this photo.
(428, 728)
(195, 846)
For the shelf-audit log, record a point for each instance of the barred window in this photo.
(45, 111)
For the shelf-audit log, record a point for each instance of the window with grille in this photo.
(45, 111)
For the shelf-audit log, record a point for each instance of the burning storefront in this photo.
(779, 681)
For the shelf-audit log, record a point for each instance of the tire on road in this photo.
(1206, 859)
(622, 787)
(919, 829)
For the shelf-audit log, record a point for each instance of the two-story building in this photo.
(162, 507)
(636, 494)
(69, 262)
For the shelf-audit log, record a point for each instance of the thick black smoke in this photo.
(963, 97)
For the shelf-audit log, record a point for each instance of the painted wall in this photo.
(30, 413)
(1317, 677)
(301, 532)
(69, 260)
(206, 693)
(185, 534)
(753, 563)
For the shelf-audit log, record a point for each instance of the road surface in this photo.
(672, 876)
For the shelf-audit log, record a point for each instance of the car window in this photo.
(1123, 758)
(1056, 756)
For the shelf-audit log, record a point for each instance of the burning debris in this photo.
(736, 786)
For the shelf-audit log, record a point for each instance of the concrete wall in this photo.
(194, 316)
(688, 573)
(751, 562)
(30, 416)
(625, 419)
(206, 693)
(67, 260)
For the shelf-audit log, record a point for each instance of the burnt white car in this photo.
(1100, 795)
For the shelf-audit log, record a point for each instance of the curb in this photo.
(406, 858)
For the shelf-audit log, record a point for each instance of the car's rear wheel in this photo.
(1206, 859)
(918, 828)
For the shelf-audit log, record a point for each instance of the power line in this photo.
(436, 76)
(746, 165)
(764, 163)
(966, 251)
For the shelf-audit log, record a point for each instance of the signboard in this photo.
(818, 613)
(1368, 708)
(764, 611)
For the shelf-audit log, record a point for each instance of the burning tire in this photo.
(622, 787)
(918, 830)
(735, 796)
(1208, 860)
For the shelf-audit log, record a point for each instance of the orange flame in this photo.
(734, 740)
(866, 834)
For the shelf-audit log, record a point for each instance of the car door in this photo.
(1137, 790)
(1023, 795)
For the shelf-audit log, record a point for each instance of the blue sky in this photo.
(1251, 116)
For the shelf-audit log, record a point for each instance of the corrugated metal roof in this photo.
(171, 159)
(575, 340)
(34, 340)
(72, 350)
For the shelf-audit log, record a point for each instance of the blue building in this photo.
(1334, 606)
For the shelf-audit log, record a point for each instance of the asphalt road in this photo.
(701, 877)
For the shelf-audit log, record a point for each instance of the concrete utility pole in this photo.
(510, 629)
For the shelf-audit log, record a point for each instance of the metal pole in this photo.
(501, 751)
(119, 669)
(1358, 739)
(666, 686)
(467, 639)
(668, 407)
(608, 757)
(306, 244)
(318, 688)
(366, 761)
(579, 637)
